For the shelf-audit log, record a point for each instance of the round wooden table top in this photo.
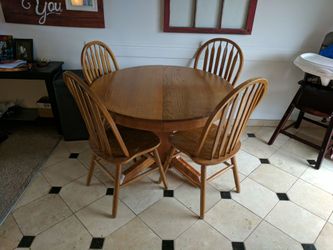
(161, 98)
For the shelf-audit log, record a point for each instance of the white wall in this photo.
(282, 29)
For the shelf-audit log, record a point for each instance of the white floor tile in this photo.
(296, 222)
(258, 148)
(232, 220)
(134, 235)
(36, 189)
(225, 182)
(273, 178)
(331, 219)
(300, 149)
(68, 234)
(311, 198)
(41, 214)
(140, 195)
(202, 236)
(64, 172)
(268, 237)
(190, 197)
(60, 153)
(265, 133)
(97, 217)
(290, 163)
(255, 197)
(325, 239)
(10, 234)
(168, 218)
(321, 178)
(6, 244)
(51, 219)
(87, 195)
(246, 162)
(85, 157)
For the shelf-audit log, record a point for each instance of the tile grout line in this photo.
(138, 215)
(298, 177)
(180, 204)
(294, 204)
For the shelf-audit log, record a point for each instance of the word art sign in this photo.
(48, 8)
(53, 12)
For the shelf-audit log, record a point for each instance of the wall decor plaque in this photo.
(71, 13)
(209, 16)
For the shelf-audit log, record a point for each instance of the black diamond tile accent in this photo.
(168, 245)
(312, 162)
(309, 247)
(238, 245)
(225, 195)
(26, 241)
(168, 193)
(55, 190)
(97, 243)
(264, 161)
(74, 155)
(282, 196)
(109, 191)
(251, 135)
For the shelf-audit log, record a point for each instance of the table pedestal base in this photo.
(190, 173)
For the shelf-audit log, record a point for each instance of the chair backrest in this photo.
(232, 115)
(97, 60)
(221, 57)
(95, 116)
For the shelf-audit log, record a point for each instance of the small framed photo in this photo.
(24, 49)
(6, 48)
(82, 5)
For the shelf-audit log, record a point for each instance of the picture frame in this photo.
(24, 49)
(82, 5)
(224, 14)
(6, 48)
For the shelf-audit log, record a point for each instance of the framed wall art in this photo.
(71, 13)
(209, 16)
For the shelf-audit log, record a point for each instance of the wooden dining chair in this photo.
(116, 145)
(97, 60)
(222, 57)
(219, 141)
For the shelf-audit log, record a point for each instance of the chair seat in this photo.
(136, 141)
(188, 142)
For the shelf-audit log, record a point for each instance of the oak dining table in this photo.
(162, 99)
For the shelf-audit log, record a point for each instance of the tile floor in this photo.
(284, 204)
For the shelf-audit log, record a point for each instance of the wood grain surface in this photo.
(161, 98)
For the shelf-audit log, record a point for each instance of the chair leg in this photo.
(202, 192)
(299, 119)
(168, 161)
(325, 144)
(284, 118)
(116, 191)
(160, 167)
(235, 172)
(91, 169)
